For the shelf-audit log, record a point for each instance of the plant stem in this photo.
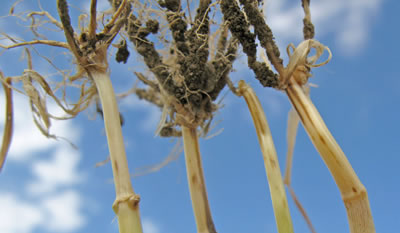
(197, 187)
(352, 190)
(126, 204)
(9, 122)
(275, 182)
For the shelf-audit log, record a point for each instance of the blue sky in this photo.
(48, 186)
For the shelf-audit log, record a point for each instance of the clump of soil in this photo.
(240, 29)
(189, 80)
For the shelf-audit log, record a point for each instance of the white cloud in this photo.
(347, 20)
(63, 212)
(18, 216)
(149, 226)
(57, 213)
(60, 170)
(284, 21)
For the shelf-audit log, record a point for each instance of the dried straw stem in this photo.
(293, 122)
(8, 129)
(196, 181)
(277, 189)
(352, 190)
(126, 204)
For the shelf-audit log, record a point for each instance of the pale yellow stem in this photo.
(275, 182)
(196, 181)
(126, 204)
(352, 190)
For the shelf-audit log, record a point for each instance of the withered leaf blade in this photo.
(8, 129)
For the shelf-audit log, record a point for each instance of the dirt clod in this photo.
(122, 53)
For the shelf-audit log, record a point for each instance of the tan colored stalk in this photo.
(197, 187)
(8, 128)
(352, 190)
(275, 182)
(126, 204)
(293, 123)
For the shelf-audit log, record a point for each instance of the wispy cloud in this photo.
(149, 226)
(348, 21)
(63, 212)
(18, 216)
(54, 174)
(56, 213)
(58, 171)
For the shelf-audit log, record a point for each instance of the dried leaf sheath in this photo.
(8, 129)
(196, 181)
(275, 182)
(293, 122)
(352, 190)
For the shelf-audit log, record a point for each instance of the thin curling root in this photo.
(300, 61)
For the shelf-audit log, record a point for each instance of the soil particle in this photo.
(172, 5)
(308, 29)
(152, 25)
(190, 77)
(223, 67)
(262, 30)
(239, 26)
(152, 59)
(194, 67)
(240, 29)
(122, 53)
(168, 131)
(177, 24)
